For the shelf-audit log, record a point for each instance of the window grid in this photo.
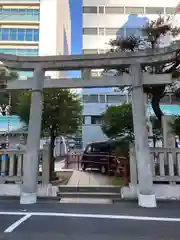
(128, 10)
(19, 34)
(90, 98)
(94, 51)
(91, 9)
(90, 51)
(10, 11)
(90, 31)
(114, 10)
(152, 10)
(134, 10)
(104, 98)
(115, 98)
(123, 32)
(20, 52)
(101, 10)
(96, 120)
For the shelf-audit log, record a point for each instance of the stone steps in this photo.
(90, 195)
(89, 189)
(89, 192)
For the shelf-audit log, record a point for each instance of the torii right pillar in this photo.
(146, 196)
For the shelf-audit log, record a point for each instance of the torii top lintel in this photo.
(92, 61)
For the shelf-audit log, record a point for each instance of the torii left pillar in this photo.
(30, 162)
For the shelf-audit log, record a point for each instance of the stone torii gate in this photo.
(85, 63)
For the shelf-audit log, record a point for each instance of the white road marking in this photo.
(17, 223)
(84, 215)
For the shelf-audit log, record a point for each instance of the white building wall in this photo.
(55, 23)
(48, 33)
(105, 20)
(99, 42)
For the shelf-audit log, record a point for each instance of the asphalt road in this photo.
(124, 221)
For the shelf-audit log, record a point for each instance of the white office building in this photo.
(104, 20)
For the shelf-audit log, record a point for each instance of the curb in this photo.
(39, 199)
(136, 200)
(58, 199)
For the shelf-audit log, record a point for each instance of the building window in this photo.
(90, 51)
(90, 98)
(36, 35)
(169, 10)
(84, 119)
(101, 10)
(17, 11)
(101, 31)
(134, 10)
(102, 98)
(4, 34)
(89, 9)
(20, 52)
(96, 120)
(29, 35)
(114, 10)
(19, 34)
(154, 10)
(115, 98)
(90, 31)
(111, 31)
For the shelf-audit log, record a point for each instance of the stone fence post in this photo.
(133, 164)
(45, 164)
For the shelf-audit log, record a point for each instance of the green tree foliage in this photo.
(153, 31)
(62, 114)
(118, 123)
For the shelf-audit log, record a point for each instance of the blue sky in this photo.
(76, 30)
(76, 26)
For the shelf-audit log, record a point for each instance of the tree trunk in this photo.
(155, 102)
(157, 93)
(52, 159)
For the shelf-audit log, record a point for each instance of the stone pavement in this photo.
(80, 178)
